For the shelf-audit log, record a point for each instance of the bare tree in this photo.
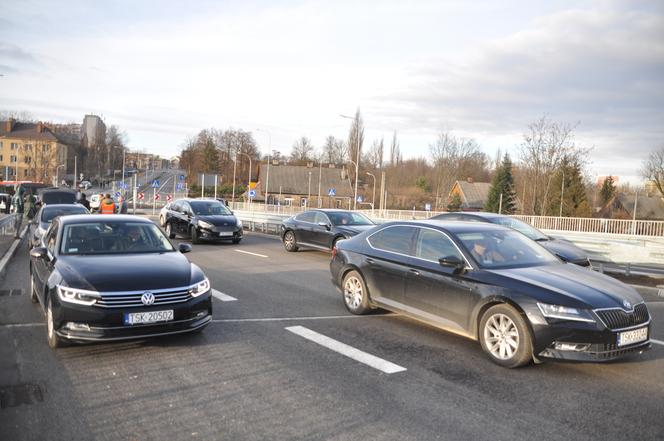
(653, 169)
(356, 132)
(374, 156)
(456, 158)
(302, 150)
(545, 145)
(395, 154)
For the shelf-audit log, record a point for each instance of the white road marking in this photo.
(288, 319)
(253, 254)
(223, 297)
(22, 325)
(348, 351)
(657, 342)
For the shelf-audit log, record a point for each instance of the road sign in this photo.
(117, 194)
(122, 185)
(252, 193)
(181, 177)
(169, 198)
(155, 183)
(179, 186)
(332, 192)
(141, 196)
(359, 199)
(157, 197)
(427, 207)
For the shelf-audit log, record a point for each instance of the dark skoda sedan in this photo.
(201, 219)
(322, 229)
(115, 277)
(492, 284)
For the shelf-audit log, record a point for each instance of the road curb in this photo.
(10, 252)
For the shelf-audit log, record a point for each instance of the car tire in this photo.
(355, 294)
(236, 241)
(194, 235)
(169, 231)
(33, 293)
(290, 243)
(505, 336)
(53, 340)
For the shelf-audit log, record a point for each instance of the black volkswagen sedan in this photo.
(322, 229)
(202, 219)
(115, 277)
(564, 249)
(492, 284)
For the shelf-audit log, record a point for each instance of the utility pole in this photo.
(320, 174)
(234, 167)
(357, 159)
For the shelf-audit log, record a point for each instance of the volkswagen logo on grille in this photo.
(147, 298)
(225, 224)
(627, 305)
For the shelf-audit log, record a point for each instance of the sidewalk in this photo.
(7, 247)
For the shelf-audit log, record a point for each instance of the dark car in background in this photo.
(492, 284)
(202, 219)
(45, 216)
(564, 249)
(56, 195)
(322, 229)
(115, 277)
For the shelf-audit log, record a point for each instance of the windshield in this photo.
(504, 249)
(51, 213)
(347, 218)
(113, 238)
(521, 227)
(209, 208)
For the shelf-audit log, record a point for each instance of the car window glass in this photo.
(397, 239)
(111, 237)
(348, 218)
(209, 208)
(320, 217)
(504, 249)
(432, 245)
(51, 235)
(175, 206)
(49, 213)
(308, 216)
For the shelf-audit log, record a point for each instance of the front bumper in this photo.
(213, 235)
(90, 323)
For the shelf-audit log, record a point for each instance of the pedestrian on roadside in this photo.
(107, 205)
(84, 201)
(19, 210)
(32, 206)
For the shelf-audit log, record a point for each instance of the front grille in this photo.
(130, 299)
(619, 319)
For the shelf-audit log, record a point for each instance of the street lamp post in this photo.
(309, 191)
(234, 167)
(373, 198)
(357, 162)
(57, 175)
(269, 159)
(123, 169)
(249, 180)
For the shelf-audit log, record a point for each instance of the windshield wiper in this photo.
(542, 239)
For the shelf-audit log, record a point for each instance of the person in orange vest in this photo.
(107, 205)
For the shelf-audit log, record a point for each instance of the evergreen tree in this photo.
(503, 183)
(574, 200)
(608, 190)
(455, 203)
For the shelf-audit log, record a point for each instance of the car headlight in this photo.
(204, 224)
(78, 296)
(565, 313)
(239, 223)
(199, 288)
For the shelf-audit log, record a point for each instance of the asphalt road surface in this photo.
(280, 362)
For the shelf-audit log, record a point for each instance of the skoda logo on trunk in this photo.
(147, 298)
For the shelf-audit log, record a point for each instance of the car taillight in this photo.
(334, 252)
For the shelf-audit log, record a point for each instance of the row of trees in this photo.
(548, 175)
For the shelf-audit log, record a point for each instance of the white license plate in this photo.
(225, 233)
(136, 318)
(631, 337)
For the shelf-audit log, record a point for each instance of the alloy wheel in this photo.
(501, 336)
(353, 293)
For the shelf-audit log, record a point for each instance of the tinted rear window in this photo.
(51, 212)
(398, 239)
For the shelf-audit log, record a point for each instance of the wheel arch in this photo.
(493, 301)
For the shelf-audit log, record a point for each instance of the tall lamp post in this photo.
(357, 162)
(373, 198)
(249, 180)
(269, 159)
(57, 175)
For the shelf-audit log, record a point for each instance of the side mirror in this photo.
(38, 253)
(454, 262)
(184, 248)
(325, 224)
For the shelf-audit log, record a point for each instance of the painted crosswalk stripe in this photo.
(223, 297)
(249, 252)
(657, 342)
(348, 351)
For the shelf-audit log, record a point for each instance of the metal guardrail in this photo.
(7, 224)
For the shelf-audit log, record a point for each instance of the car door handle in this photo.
(370, 261)
(414, 272)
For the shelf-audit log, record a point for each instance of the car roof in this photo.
(55, 189)
(480, 214)
(56, 206)
(453, 226)
(80, 218)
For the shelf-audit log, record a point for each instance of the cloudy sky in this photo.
(484, 69)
